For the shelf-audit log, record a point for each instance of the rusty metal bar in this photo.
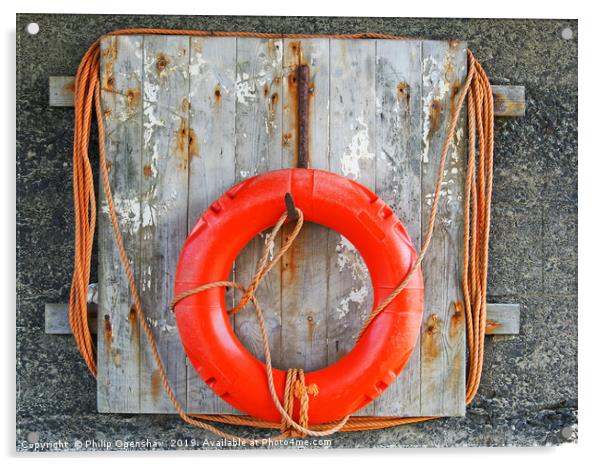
(291, 209)
(303, 120)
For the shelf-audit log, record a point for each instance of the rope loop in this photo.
(476, 92)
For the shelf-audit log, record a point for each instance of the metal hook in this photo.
(291, 210)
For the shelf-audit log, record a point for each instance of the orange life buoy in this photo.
(222, 232)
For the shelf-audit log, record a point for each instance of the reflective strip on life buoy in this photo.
(230, 223)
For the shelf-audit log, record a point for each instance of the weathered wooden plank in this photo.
(304, 267)
(259, 149)
(212, 119)
(509, 101)
(168, 145)
(119, 341)
(60, 91)
(352, 149)
(443, 334)
(398, 166)
(503, 319)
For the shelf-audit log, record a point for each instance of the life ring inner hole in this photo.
(313, 303)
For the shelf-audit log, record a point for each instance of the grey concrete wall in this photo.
(528, 394)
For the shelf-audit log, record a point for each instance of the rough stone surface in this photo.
(528, 394)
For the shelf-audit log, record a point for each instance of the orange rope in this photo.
(477, 200)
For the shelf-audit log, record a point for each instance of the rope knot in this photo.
(295, 388)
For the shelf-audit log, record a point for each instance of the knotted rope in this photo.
(476, 91)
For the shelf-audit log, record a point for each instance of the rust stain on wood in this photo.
(311, 327)
(457, 319)
(193, 144)
(430, 343)
(110, 57)
(403, 92)
(503, 105)
(491, 325)
(218, 94)
(186, 144)
(108, 333)
(147, 170)
(273, 48)
(435, 111)
(155, 384)
(135, 328)
(286, 139)
(161, 64)
(133, 98)
(454, 44)
(455, 89)
(70, 86)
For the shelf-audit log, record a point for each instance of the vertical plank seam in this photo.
(284, 46)
(188, 119)
(419, 238)
(140, 236)
(234, 272)
(326, 259)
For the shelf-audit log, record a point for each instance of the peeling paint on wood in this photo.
(353, 154)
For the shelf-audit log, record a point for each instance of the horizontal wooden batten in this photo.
(509, 101)
(502, 319)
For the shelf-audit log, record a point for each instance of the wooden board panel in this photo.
(305, 266)
(212, 172)
(398, 164)
(167, 147)
(215, 111)
(442, 343)
(353, 154)
(259, 149)
(119, 341)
